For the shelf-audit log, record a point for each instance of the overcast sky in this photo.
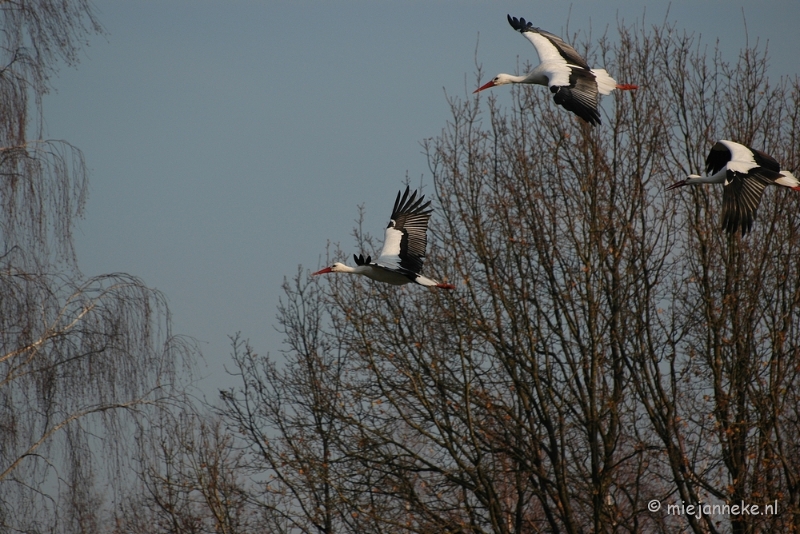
(228, 142)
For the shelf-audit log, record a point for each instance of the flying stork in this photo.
(745, 172)
(404, 247)
(574, 85)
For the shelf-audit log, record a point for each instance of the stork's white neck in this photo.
(539, 75)
(358, 269)
(502, 79)
(717, 178)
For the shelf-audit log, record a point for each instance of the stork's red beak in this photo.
(322, 271)
(677, 185)
(485, 86)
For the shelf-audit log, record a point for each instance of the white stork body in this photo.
(382, 273)
(574, 85)
(403, 250)
(745, 172)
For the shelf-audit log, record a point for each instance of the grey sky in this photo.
(229, 141)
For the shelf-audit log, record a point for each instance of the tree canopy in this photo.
(608, 348)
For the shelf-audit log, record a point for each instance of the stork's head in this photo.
(335, 268)
(691, 179)
(500, 79)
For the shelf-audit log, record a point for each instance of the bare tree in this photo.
(192, 480)
(42, 182)
(608, 347)
(82, 361)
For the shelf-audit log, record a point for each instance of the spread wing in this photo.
(739, 156)
(580, 96)
(741, 197)
(549, 47)
(406, 236)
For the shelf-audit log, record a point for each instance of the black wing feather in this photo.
(410, 216)
(765, 160)
(360, 259)
(718, 157)
(581, 97)
(741, 197)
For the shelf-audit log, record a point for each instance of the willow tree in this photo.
(75, 353)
